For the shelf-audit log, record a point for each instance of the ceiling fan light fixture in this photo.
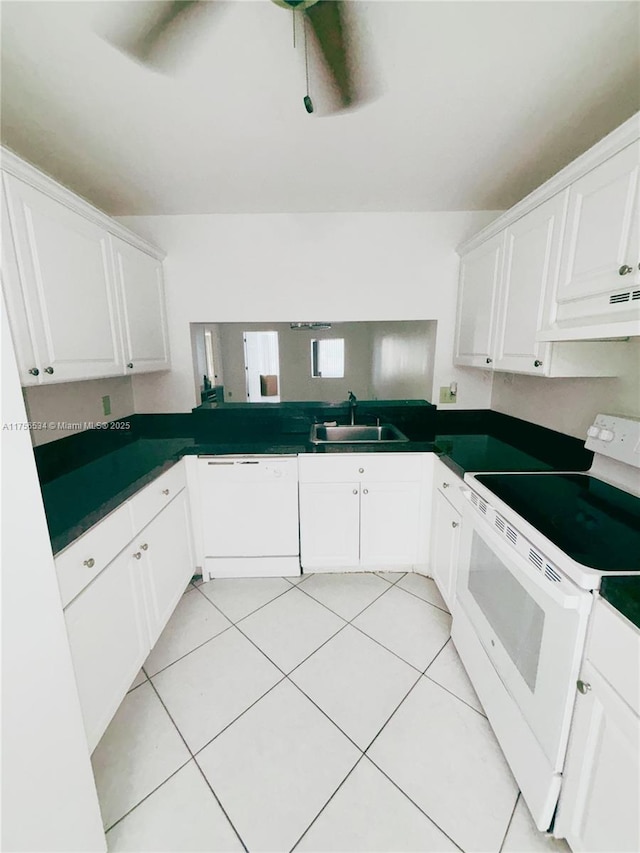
(297, 327)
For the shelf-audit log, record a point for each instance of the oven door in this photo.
(532, 628)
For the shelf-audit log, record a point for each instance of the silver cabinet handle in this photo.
(130, 365)
(365, 491)
(137, 555)
(165, 491)
(48, 370)
(537, 363)
(34, 371)
(355, 491)
(360, 470)
(90, 563)
(445, 485)
(583, 686)
(144, 547)
(454, 523)
(625, 269)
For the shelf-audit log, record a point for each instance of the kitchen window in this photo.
(327, 358)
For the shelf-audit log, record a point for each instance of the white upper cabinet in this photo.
(144, 322)
(561, 267)
(601, 251)
(70, 301)
(531, 250)
(479, 280)
(84, 295)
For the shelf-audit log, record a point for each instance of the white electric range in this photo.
(534, 549)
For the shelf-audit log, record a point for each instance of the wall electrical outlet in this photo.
(447, 395)
(106, 405)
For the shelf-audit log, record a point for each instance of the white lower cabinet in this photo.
(445, 530)
(329, 525)
(114, 621)
(362, 512)
(167, 563)
(601, 787)
(109, 641)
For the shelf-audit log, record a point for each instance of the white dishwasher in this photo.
(249, 516)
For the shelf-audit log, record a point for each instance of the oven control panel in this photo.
(617, 437)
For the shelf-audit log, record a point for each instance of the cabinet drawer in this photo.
(154, 497)
(363, 468)
(449, 485)
(614, 649)
(85, 558)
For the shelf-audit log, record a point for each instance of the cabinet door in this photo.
(329, 525)
(445, 545)
(600, 237)
(477, 293)
(67, 280)
(167, 565)
(531, 254)
(389, 524)
(143, 309)
(26, 356)
(601, 787)
(109, 641)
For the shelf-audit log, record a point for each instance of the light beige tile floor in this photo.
(327, 713)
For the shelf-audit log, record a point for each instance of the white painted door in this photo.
(69, 294)
(389, 524)
(446, 543)
(601, 787)
(144, 322)
(109, 640)
(477, 294)
(167, 562)
(531, 255)
(600, 238)
(329, 525)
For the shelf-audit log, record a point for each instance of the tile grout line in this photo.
(193, 757)
(404, 793)
(327, 802)
(146, 796)
(455, 695)
(426, 601)
(194, 649)
(510, 821)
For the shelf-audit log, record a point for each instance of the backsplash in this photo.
(569, 405)
(66, 407)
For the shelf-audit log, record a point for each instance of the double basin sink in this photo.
(355, 434)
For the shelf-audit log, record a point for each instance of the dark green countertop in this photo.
(464, 453)
(80, 498)
(624, 595)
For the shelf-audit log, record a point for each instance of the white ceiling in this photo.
(473, 105)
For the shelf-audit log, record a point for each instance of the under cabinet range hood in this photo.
(613, 314)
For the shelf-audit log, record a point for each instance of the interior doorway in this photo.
(262, 366)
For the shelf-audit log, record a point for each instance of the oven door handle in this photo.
(568, 600)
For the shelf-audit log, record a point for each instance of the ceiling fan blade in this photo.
(174, 14)
(331, 32)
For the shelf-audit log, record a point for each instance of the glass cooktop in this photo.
(594, 523)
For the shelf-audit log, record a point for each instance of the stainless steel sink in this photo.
(355, 434)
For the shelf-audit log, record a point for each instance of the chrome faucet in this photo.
(352, 407)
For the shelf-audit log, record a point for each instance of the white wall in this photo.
(569, 405)
(49, 800)
(76, 403)
(301, 267)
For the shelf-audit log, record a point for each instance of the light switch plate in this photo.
(106, 405)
